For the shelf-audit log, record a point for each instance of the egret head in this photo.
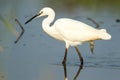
(43, 12)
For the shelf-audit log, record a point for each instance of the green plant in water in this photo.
(9, 26)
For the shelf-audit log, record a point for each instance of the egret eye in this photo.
(41, 12)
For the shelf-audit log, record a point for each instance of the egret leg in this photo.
(78, 72)
(65, 56)
(65, 71)
(80, 56)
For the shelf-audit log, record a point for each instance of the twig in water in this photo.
(97, 25)
(21, 32)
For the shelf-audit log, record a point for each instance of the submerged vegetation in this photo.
(9, 26)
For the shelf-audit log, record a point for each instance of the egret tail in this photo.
(104, 35)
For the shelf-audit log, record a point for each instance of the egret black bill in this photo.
(33, 18)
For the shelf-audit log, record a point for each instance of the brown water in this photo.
(38, 57)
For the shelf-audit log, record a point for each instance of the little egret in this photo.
(72, 32)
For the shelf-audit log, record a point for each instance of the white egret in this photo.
(72, 32)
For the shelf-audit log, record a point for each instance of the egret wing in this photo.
(75, 30)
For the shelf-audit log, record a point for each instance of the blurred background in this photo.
(32, 58)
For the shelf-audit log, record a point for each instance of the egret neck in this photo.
(47, 21)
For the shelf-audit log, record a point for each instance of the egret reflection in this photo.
(77, 73)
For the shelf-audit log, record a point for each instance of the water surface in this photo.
(38, 57)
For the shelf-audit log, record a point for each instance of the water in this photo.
(36, 57)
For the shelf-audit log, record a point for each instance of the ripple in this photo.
(103, 62)
(95, 62)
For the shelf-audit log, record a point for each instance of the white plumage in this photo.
(76, 31)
